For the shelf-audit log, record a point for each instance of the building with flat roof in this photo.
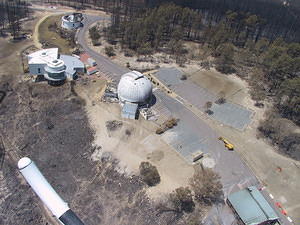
(52, 66)
(252, 208)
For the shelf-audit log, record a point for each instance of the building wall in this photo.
(81, 69)
(70, 25)
(37, 69)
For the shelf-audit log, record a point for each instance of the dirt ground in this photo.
(133, 143)
(94, 170)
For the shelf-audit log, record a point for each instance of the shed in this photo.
(129, 110)
(251, 207)
(92, 70)
(91, 62)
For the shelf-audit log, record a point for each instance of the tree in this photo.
(94, 33)
(225, 58)
(149, 173)
(221, 98)
(289, 99)
(109, 51)
(182, 200)
(206, 186)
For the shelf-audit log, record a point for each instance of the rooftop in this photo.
(251, 206)
(48, 56)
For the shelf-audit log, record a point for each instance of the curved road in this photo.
(103, 63)
(235, 175)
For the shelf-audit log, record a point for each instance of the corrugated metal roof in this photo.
(129, 110)
(72, 63)
(251, 206)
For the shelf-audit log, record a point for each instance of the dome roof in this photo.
(134, 87)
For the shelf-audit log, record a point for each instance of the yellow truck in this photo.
(228, 145)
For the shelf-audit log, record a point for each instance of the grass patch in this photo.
(52, 38)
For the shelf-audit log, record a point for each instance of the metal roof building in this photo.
(54, 67)
(129, 110)
(134, 87)
(252, 208)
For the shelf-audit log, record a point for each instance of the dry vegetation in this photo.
(149, 173)
(50, 35)
(49, 124)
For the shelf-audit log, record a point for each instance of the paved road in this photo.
(103, 63)
(235, 175)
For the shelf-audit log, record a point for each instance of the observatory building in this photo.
(71, 21)
(53, 67)
(134, 90)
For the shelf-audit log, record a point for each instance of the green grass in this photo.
(51, 37)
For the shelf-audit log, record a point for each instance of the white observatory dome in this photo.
(134, 87)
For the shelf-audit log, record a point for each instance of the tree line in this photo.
(11, 13)
(275, 18)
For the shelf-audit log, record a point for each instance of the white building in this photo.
(71, 21)
(134, 90)
(54, 67)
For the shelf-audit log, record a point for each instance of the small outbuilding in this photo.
(252, 208)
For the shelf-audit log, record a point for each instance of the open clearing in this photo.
(52, 38)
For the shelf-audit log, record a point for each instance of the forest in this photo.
(11, 14)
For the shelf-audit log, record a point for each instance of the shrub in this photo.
(109, 51)
(149, 173)
(94, 33)
(206, 186)
(182, 200)
(183, 77)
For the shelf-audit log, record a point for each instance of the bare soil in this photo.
(52, 126)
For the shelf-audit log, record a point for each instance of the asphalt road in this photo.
(103, 63)
(235, 175)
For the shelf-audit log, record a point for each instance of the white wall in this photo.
(37, 69)
(70, 25)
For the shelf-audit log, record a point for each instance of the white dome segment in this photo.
(134, 87)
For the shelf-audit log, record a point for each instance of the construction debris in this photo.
(167, 125)
(110, 94)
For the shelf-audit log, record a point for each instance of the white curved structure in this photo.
(46, 193)
(71, 21)
(55, 70)
(42, 188)
(134, 87)
(54, 67)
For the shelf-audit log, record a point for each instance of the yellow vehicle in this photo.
(228, 145)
